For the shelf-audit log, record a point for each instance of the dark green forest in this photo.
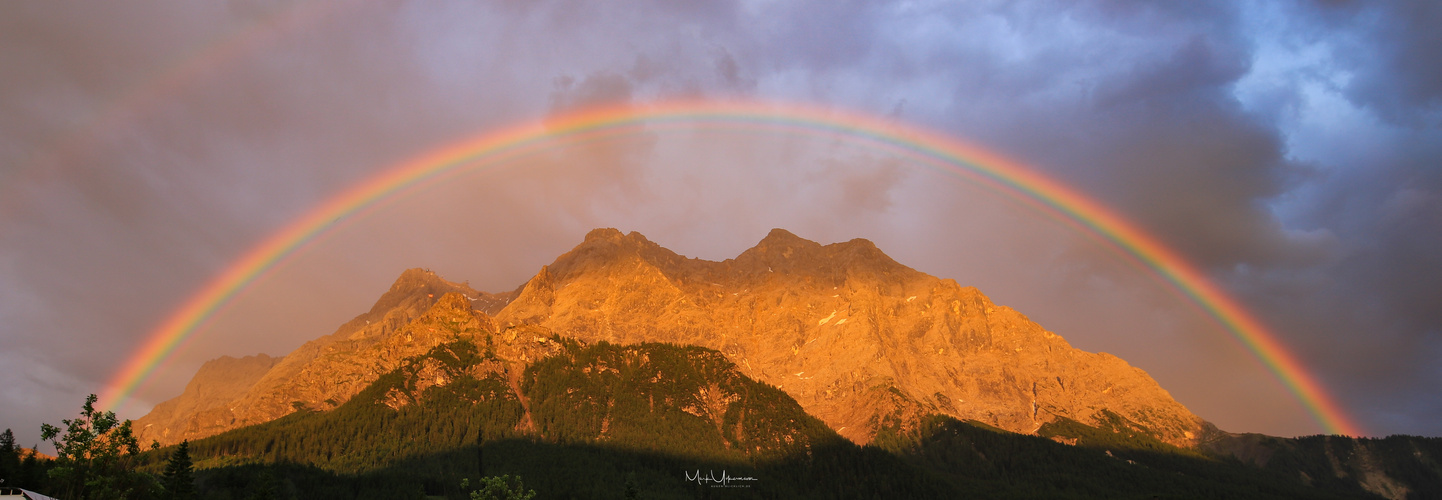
(667, 421)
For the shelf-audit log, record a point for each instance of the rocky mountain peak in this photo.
(229, 392)
(607, 248)
(858, 339)
(782, 239)
(413, 283)
(783, 252)
(604, 234)
(612, 238)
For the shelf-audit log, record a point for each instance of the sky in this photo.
(1291, 150)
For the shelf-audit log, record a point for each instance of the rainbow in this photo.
(944, 152)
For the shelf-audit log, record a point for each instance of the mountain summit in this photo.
(320, 374)
(622, 358)
(860, 341)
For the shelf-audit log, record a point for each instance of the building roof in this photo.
(19, 493)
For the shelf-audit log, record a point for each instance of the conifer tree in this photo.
(266, 487)
(9, 459)
(179, 481)
(632, 491)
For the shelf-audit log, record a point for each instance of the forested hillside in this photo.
(597, 421)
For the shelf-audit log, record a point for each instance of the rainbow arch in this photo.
(944, 152)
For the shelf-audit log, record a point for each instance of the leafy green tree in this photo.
(94, 455)
(179, 481)
(499, 488)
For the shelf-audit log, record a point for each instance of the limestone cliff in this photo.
(201, 408)
(856, 338)
(852, 335)
(322, 373)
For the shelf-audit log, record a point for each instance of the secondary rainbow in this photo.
(930, 148)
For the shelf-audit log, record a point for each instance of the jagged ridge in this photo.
(644, 411)
(857, 338)
(854, 336)
(320, 374)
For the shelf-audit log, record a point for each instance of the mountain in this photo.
(202, 408)
(857, 338)
(664, 421)
(546, 405)
(661, 421)
(228, 393)
(825, 370)
(1396, 467)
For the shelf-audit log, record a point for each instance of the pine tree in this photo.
(32, 472)
(632, 491)
(9, 460)
(178, 480)
(266, 487)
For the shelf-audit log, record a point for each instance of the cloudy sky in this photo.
(1293, 150)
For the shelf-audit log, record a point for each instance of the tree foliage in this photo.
(21, 468)
(505, 487)
(178, 477)
(635, 421)
(94, 457)
(9, 459)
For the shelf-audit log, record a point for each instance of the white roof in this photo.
(17, 494)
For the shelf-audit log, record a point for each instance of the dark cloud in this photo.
(1364, 117)
(1289, 149)
(1390, 50)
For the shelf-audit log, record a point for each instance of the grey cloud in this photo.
(1199, 65)
(732, 77)
(1390, 48)
(870, 190)
(597, 89)
(1373, 187)
(1150, 127)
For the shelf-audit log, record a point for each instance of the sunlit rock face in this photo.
(201, 409)
(410, 318)
(859, 340)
